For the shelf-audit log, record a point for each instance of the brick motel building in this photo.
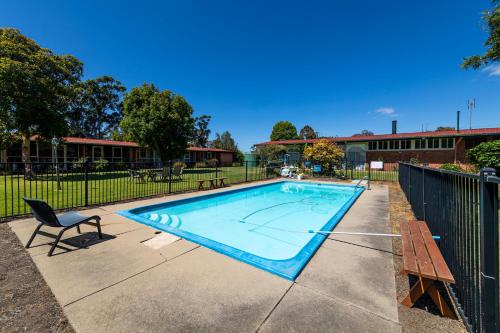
(433, 148)
(72, 148)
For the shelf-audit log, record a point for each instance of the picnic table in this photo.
(423, 259)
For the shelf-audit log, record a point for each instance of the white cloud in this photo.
(386, 111)
(492, 70)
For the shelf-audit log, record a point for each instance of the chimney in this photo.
(458, 121)
(394, 126)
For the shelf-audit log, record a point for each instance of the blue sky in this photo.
(339, 66)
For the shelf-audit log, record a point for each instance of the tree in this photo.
(486, 154)
(492, 43)
(307, 133)
(445, 128)
(270, 152)
(96, 107)
(284, 130)
(36, 86)
(325, 152)
(158, 119)
(224, 141)
(364, 133)
(201, 131)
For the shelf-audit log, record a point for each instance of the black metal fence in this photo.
(356, 169)
(463, 210)
(78, 184)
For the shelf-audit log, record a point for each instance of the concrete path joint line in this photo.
(129, 277)
(340, 300)
(274, 307)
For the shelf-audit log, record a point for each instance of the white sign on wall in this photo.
(376, 164)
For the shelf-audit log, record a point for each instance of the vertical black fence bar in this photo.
(246, 171)
(463, 210)
(489, 252)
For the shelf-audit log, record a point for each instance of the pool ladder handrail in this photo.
(367, 183)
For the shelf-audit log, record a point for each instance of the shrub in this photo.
(414, 161)
(212, 163)
(179, 165)
(486, 154)
(200, 165)
(78, 164)
(101, 165)
(451, 167)
(325, 152)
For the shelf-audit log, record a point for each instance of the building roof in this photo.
(412, 135)
(103, 142)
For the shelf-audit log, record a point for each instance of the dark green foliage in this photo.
(451, 167)
(284, 130)
(158, 119)
(201, 131)
(224, 141)
(486, 154)
(492, 43)
(96, 108)
(445, 128)
(36, 87)
(364, 133)
(307, 133)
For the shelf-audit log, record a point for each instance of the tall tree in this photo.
(364, 133)
(224, 141)
(307, 133)
(492, 43)
(201, 131)
(284, 130)
(35, 88)
(161, 120)
(96, 109)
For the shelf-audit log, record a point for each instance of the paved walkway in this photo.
(119, 284)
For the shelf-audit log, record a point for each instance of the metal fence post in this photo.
(246, 171)
(489, 251)
(423, 194)
(86, 177)
(217, 170)
(169, 176)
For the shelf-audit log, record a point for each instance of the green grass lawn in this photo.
(104, 187)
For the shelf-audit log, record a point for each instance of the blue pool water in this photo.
(267, 226)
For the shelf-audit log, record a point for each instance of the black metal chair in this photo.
(46, 216)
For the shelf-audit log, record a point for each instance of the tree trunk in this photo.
(26, 145)
(26, 148)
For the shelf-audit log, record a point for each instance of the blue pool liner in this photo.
(288, 269)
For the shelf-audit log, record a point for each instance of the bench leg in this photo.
(422, 286)
(416, 291)
(441, 303)
(200, 187)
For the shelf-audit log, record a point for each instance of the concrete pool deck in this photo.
(119, 284)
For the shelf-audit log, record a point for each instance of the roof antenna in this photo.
(471, 105)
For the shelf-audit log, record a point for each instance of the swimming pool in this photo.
(268, 226)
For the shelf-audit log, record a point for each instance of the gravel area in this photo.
(424, 316)
(26, 302)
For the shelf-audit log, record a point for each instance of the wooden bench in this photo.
(213, 183)
(221, 181)
(423, 259)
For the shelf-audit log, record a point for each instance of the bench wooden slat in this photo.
(409, 260)
(440, 267)
(423, 259)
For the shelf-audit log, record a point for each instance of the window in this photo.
(382, 145)
(97, 153)
(372, 145)
(187, 157)
(433, 143)
(143, 153)
(420, 144)
(447, 142)
(210, 155)
(117, 153)
(394, 144)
